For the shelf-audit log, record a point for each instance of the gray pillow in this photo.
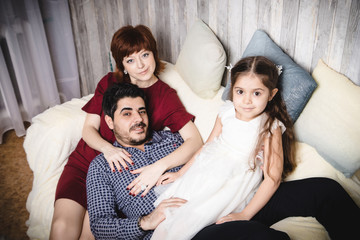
(295, 83)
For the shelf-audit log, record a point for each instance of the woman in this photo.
(137, 61)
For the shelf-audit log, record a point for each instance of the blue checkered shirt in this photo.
(107, 195)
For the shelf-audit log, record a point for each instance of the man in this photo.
(125, 113)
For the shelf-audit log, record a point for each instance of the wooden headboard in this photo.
(305, 29)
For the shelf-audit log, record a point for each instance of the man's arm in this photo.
(104, 221)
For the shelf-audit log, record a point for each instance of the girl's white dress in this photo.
(219, 182)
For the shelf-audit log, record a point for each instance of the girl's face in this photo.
(250, 96)
(140, 67)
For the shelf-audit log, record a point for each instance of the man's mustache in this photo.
(140, 124)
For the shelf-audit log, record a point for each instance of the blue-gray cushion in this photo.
(295, 83)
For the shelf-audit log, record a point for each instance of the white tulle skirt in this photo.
(218, 183)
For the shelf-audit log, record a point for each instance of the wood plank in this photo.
(163, 38)
(326, 16)
(152, 24)
(191, 13)
(218, 12)
(178, 27)
(250, 21)
(306, 33)
(135, 12)
(235, 23)
(351, 53)
(82, 45)
(339, 28)
(103, 42)
(289, 25)
(94, 43)
(203, 10)
(126, 9)
(270, 17)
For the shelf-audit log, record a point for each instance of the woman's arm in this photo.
(90, 134)
(150, 174)
(273, 167)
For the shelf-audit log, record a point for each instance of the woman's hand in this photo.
(148, 177)
(167, 178)
(233, 217)
(116, 157)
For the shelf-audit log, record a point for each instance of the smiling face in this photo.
(250, 96)
(130, 123)
(140, 67)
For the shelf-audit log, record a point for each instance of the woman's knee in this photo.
(67, 220)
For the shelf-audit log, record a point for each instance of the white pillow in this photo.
(204, 110)
(202, 59)
(330, 121)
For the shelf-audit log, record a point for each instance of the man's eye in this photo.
(142, 112)
(126, 114)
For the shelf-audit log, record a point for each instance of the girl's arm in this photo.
(113, 155)
(171, 177)
(273, 167)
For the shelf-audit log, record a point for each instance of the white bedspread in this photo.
(50, 139)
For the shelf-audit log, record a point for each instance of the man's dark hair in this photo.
(118, 91)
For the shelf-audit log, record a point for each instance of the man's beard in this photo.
(137, 142)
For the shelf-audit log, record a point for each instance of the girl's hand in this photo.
(147, 178)
(233, 217)
(116, 157)
(167, 178)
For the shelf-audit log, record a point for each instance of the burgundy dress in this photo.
(165, 108)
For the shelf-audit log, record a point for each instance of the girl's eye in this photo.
(257, 94)
(239, 91)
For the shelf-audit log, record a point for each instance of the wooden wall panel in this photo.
(305, 29)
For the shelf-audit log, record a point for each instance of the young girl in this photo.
(248, 153)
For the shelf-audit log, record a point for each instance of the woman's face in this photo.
(250, 96)
(140, 67)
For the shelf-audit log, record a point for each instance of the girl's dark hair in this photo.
(118, 91)
(267, 72)
(128, 40)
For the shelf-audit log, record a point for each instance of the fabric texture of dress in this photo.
(165, 110)
(221, 180)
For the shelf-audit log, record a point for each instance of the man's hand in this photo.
(152, 220)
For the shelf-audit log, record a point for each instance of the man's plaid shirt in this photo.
(107, 195)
